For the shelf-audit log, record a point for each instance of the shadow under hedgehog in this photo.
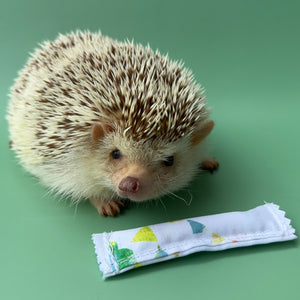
(95, 118)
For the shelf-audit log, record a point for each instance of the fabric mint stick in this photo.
(124, 250)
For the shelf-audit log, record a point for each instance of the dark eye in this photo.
(169, 161)
(116, 154)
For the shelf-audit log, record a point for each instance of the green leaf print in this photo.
(124, 256)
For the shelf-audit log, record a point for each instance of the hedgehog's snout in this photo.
(129, 185)
(133, 182)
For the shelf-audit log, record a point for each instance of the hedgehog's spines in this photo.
(82, 78)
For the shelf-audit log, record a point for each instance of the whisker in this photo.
(178, 197)
(191, 197)
(163, 205)
(76, 208)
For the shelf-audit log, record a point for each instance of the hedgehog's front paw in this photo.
(210, 164)
(108, 208)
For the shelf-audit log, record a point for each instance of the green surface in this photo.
(247, 55)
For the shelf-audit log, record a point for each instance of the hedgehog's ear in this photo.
(202, 131)
(99, 130)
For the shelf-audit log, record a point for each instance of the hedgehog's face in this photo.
(151, 168)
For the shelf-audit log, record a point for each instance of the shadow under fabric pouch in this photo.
(121, 251)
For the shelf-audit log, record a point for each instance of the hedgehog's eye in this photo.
(116, 154)
(169, 161)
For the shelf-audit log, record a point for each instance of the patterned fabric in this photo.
(121, 251)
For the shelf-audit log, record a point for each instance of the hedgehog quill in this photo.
(94, 118)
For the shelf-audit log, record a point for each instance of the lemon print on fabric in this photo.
(123, 256)
(217, 239)
(145, 234)
(196, 226)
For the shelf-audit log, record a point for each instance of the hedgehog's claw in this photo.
(108, 208)
(210, 164)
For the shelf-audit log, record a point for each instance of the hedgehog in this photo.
(97, 119)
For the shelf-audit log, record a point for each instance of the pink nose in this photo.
(129, 184)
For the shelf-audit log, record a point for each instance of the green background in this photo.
(246, 54)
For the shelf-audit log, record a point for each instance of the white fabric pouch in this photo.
(121, 251)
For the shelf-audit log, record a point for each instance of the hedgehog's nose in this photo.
(129, 184)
